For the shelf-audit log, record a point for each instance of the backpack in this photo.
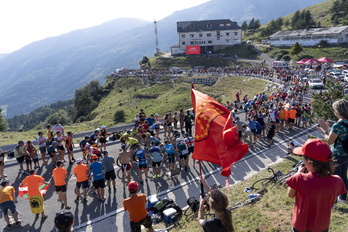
(344, 142)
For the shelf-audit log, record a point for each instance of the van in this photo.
(279, 64)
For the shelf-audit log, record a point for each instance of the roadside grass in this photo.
(171, 95)
(273, 212)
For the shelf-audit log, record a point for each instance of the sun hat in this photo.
(315, 149)
(133, 186)
(79, 160)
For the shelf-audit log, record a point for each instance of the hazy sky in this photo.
(25, 21)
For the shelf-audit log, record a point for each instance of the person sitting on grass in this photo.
(218, 202)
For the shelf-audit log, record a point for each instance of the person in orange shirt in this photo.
(81, 173)
(281, 118)
(33, 182)
(7, 202)
(292, 117)
(59, 176)
(135, 205)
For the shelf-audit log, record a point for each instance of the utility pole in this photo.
(157, 52)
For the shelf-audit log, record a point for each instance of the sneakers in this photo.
(84, 201)
(17, 224)
(77, 200)
(9, 227)
(67, 207)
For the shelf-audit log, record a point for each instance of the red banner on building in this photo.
(193, 50)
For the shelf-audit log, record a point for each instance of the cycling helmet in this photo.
(178, 140)
(187, 134)
(147, 133)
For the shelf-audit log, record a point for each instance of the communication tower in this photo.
(157, 52)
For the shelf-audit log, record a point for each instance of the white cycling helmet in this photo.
(178, 140)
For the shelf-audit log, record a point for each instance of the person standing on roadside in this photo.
(69, 145)
(156, 157)
(98, 176)
(182, 120)
(170, 149)
(61, 150)
(36, 201)
(49, 134)
(59, 176)
(58, 127)
(188, 122)
(135, 205)
(108, 165)
(41, 140)
(314, 187)
(125, 158)
(7, 202)
(103, 137)
(20, 153)
(190, 143)
(335, 137)
(2, 165)
(81, 173)
(141, 155)
(52, 151)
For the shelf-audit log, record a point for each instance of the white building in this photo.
(310, 37)
(210, 35)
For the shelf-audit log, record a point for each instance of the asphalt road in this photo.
(95, 208)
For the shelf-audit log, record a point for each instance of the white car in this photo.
(316, 84)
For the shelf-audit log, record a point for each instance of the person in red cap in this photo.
(314, 187)
(135, 205)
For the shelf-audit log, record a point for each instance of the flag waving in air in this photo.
(216, 136)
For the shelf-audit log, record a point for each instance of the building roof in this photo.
(310, 31)
(207, 25)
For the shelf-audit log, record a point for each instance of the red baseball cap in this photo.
(133, 186)
(94, 157)
(315, 149)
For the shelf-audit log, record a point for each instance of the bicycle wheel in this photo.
(118, 162)
(188, 211)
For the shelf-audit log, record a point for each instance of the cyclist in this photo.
(140, 155)
(183, 153)
(169, 148)
(125, 159)
(189, 141)
(156, 158)
(84, 145)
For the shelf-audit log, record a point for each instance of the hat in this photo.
(4, 182)
(178, 140)
(94, 157)
(315, 149)
(133, 186)
(59, 163)
(54, 143)
(63, 219)
(105, 152)
(103, 127)
(79, 160)
(123, 146)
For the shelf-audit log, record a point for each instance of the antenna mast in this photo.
(156, 39)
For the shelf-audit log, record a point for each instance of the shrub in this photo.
(119, 116)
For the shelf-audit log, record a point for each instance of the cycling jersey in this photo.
(169, 148)
(155, 153)
(140, 153)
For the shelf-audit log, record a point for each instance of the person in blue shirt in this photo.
(252, 126)
(169, 148)
(258, 129)
(140, 155)
(183, 153)
(151, 119)
(156, 157)
(98, 176)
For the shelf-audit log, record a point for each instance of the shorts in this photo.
(240, 134)
(253, 131)
(35, 160)
(8, 205)
(102, 140)
(61, 188)
(42, 149)
(136, 226)
(270, 137)
(258, 132)
(84, 184)
(2, 163)
(154, 164)
(126, 167)
(290, 120)
(51, 155)
(70, 148)
(191, 149)
(61, 148)
(142, 166)
(183, 156)
(99, 183)
(20, 159)
(110, 175)
(277, 121)
(171, 158)
(28, 161)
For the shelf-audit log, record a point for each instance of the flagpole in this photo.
(201, 175)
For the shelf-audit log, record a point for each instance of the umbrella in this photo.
(325, 60)
(311, 61)
(303, 61)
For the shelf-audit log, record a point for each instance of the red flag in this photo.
(216, 136)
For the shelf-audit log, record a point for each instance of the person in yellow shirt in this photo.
(7, 202)
(59, 176)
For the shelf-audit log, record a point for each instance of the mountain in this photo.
(51, 69)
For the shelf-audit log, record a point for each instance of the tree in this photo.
(3, 122)
(244, 26)
(145, 63)
(257, 24)
(252, 24)
(296, 49)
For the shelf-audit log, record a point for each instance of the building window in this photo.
(200, 35)
(192, 35)
(209, 41)
(192, 43)
(209, 25)
(228, 24)
(221, 25)
(182, 36)
(227, 34)
(209, 35)
(183, 43)
(236, 33)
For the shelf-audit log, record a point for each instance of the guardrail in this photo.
(77, 135)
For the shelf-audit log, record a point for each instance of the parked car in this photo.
(346, 78)
(338, 76)
(316, 84)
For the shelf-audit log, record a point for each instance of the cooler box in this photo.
(151, 201)
(168, 215)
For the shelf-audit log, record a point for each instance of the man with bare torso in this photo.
(126, 164)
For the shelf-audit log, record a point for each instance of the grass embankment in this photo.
(273, 212)
(167, 95)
